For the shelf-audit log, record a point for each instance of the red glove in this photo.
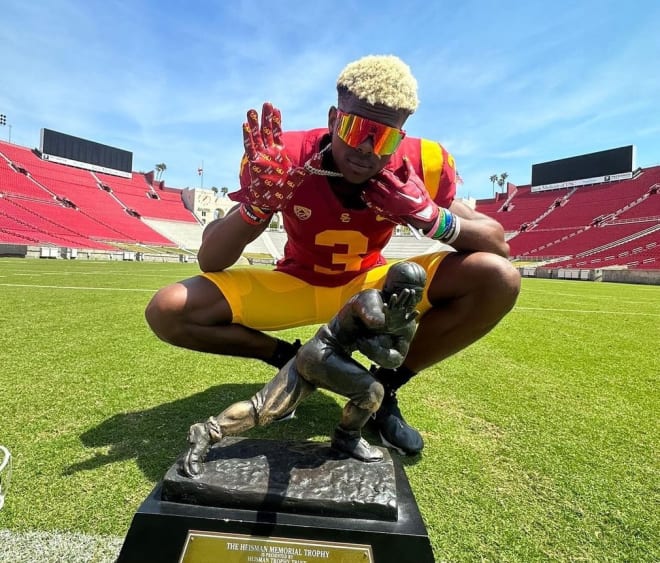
(401, 201)
(271, 177)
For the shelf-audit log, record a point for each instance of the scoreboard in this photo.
(603, 166)
(74, 151)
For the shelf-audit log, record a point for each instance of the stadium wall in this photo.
(13, 250)
(643, 277)
(61, 252)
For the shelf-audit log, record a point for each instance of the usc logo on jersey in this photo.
(345, 218)
(303, 213)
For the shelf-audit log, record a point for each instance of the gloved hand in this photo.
(404, 201)
(271, 177)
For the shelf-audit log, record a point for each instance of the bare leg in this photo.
(194, 314)
(470, 294)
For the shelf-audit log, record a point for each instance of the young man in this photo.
(380, 324)
(341, 190)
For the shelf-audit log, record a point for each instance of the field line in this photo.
(521, 309)
(586, 311)
(83, 288)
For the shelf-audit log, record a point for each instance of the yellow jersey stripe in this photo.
(432, 162)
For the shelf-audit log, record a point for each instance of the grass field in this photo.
(541, 439)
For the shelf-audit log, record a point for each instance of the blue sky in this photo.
(502, 84)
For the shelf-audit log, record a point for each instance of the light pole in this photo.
(200, 173)
(3, 121)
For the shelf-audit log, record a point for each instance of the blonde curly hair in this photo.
(380, 79)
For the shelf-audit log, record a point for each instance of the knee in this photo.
(164, 311)
(502, 279)
(485, 282)
(371, 399)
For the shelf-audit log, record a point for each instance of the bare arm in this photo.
(224, 240)
(407, 202)
(478, 232)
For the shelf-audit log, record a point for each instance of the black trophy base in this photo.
(356, 511)
(288, 476)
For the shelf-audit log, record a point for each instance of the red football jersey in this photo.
(327, 244)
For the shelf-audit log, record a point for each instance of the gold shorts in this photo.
(268, 300)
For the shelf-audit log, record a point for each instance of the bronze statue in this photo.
(378, 323)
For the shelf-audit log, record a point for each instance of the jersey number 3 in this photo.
(353, 245)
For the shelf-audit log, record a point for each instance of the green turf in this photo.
(541, 439)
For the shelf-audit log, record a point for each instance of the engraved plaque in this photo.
(238, 548)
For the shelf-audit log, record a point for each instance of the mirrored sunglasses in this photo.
(355, 130)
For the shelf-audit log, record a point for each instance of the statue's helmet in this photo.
(405, 275)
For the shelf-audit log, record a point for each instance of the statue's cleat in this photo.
(199, 440)
(354, 445)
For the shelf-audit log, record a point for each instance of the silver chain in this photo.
(319, 171)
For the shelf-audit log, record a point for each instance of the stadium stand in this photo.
(15, 182)
(184, 234)
(405, 246)
(602, 225)
(612, 224)
(495, 204)
(53, 204)
(138, 194)
(527, 207)
(50, 220)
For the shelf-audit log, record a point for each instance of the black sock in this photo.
(284, 351)
(392, 379)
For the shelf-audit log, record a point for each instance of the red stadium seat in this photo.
(46, 202)
(590, 227)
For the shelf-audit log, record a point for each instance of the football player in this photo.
(341, 191)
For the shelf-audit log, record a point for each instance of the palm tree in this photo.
(493, 179)
(160, 168)
(501, 180)
(224, 191)
(214, 190)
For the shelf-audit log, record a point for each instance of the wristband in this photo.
(447, 227)
(443, 226)
(264, 214)
(451, 237)
(254, 215)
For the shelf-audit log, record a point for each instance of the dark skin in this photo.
(471, 292)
